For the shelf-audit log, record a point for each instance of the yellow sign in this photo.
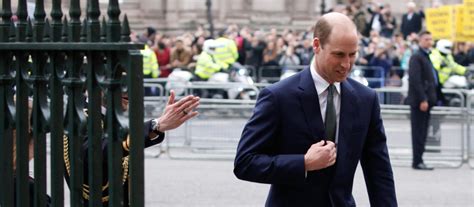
(460, 31)
(468, 12)
(468, 3)
(440, 22)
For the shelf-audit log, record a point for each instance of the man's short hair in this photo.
(322, 30)
(179, 39)
(424, 32)
(222, 32)
(150, 31)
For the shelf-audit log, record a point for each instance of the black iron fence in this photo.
(53, 66)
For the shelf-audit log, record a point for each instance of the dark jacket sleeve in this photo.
(125, 148)
(257, 159)
(415, 72)
(148, 142)
(375, 162)
(146, 130)
(403, 26)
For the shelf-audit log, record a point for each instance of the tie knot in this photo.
(331, 89)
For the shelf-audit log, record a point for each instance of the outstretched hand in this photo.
(177, 112)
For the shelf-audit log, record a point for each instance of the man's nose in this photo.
(346, 63)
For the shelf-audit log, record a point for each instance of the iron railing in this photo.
(50, 63)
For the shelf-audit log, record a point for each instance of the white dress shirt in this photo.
(321, 87)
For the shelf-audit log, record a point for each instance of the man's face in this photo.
(179, 45)
(426, 41)
(335, 58)
(124, 101)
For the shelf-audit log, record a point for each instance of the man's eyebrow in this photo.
(343, 53)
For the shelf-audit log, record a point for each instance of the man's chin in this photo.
(341, 79)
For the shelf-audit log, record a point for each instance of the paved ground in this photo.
(199, 183)
(186, 182)
(171, 182)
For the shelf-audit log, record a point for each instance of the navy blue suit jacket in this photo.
(287, 121)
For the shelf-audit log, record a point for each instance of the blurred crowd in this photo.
(385, 42)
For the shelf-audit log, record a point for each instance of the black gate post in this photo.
(6, 111)
(44, 65)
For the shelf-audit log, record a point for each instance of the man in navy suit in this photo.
(309, 131)
(424, 92)
(412, 21)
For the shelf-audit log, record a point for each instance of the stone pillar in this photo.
(222, 8)
(289, 7)
(173, 8)
(247, 5)
(164, 7)
(311, 6)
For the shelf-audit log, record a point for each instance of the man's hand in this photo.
(424, 106)
(176, 113)
(176, 63)
(320, 156)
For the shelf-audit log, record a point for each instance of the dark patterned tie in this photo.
(330, 121)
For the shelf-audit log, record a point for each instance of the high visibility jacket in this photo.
(226, 52)
(150, 63)
(445, 65)
(206, 66)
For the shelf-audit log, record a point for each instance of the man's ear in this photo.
(316, 45)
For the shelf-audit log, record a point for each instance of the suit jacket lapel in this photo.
(347, 117)
(310, 103)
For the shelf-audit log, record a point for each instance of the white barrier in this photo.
(215, 134)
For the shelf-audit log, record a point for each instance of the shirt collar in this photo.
(426, 51)
(319, 82)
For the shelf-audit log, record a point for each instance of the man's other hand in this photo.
(177, 112)
(424, 106)
(320, 155)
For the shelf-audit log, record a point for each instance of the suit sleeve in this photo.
(257, 158)
(414, 74)
(147, 130)
(375, 162)
(105, 144)
(147, 140)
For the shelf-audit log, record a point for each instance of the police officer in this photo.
(226, 51)
(443, 61)
(207, 64)
(150, 67)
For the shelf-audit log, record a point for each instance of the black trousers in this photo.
(419, 131)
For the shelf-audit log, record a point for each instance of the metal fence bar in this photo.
(94, 128)
(22, 119)
(7, 113)
(40, 116)
(373, 74)
(48, 60)
(274, 72)
(208, 104)
(137, 165)
(113, 96)
(449, 114)
(57, 67)
(452, 156)
(469, 142)
(253, 71)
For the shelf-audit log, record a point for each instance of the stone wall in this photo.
(176, 16)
